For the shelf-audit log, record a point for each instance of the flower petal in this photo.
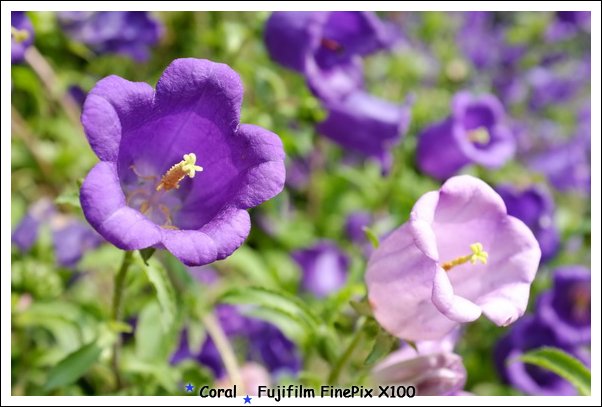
(113, 107)
(513, 262)
(104, 206)
(228, 229)
(203, 88)
(191, 247)
(260, 158)
(454, 307)
(406, 313)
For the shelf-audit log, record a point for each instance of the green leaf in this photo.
(69, 197)
(383, 345)
(564, 365)
(371, 236)
(272, 303)
(362, 307)
(147, 254)
(165, 292)
(73, 366)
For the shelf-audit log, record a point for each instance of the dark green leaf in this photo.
(562, 364)
(147, 254)
(73, 366)
(383, 345)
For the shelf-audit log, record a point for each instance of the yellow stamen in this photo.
(179, 171)
(479, 135)
(19, 35)
(477, 254)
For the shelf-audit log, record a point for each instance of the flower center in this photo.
(477, 254)
(19, 35)
(332, 45)
(150, 197)
(179, 171)
(480, 135)
(581, 296)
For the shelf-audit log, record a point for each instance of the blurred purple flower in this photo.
(26, 233)
(548, 88)
(264, 344)
(71, 237)
(479, 39)
(142, 193)
(530, 333)
(566, 309)
(324, 268)
(21, 35)
(420, 282)
(476, 132)
(535, 207)
(326, 47)
(432, 368)
(566, 165)
(367, 125)
(205, 275)
(355, 224)
(566, 24)
(77, 94)
(123, 32)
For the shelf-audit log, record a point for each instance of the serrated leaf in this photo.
(383, 345)
(73, 366)
(166, 296)
(564, 365)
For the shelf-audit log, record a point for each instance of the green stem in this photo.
(116, 316)
(224, 348)
(344, 358)
(44, 71)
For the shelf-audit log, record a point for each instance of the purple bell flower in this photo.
(367, 125)
(326, 47)
(566, 165)
(71, 238)
(151, 143)
(476, 132)
(324, 267)
(566, 309)
(21, 35)
(479, 39)
(535, 207)
(264, 344)
(26, 233)
(567, 24)
(530, 333)
(123, 32)
(355, 224)
(460, 255)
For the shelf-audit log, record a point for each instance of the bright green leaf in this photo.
(165, 292)
(562, 364)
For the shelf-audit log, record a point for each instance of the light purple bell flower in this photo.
(460, 255)
(177, 171)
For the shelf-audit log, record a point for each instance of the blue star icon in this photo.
(189, 388)
(247, 399)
